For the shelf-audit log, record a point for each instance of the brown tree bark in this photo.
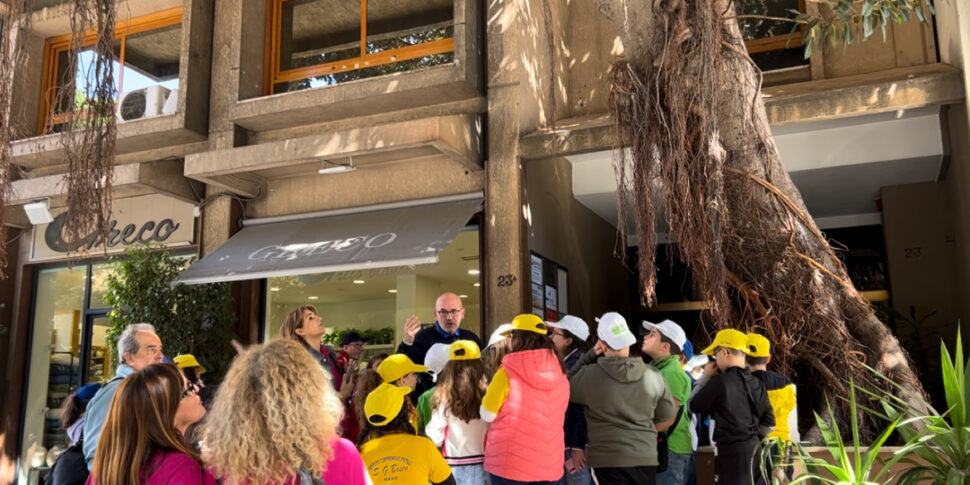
(742, 225)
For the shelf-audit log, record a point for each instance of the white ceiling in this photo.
(839, 166)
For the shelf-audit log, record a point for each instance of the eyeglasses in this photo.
(190, 390)
(556, 334)
(445, 313)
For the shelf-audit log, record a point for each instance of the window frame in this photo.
(55, 45)
(777, 42)
(273, 75)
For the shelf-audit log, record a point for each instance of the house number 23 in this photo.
(506, 279)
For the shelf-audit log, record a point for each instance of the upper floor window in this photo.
(771, 43)
(313, 43)
(146, 71)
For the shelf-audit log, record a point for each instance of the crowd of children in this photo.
(541, 403)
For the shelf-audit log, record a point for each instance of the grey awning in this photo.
(374, 237)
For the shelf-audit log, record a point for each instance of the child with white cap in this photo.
(664, 343)
(570, 336)
(627, 403)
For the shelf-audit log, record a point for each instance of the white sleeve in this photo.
(793, 420)
(435, 429)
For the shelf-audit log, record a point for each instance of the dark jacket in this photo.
(575, 424)
(738, 403)
(328, 360)
(423, 341)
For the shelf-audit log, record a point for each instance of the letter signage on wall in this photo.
(156, 219)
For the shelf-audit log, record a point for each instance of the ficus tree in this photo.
(686, 100)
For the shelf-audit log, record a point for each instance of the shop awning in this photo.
(396, 234)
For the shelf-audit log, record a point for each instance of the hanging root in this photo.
(89, 139)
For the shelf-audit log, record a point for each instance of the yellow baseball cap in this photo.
(464, 350)
(758, 345)
(383, 404)
(397, 366)
(188, 360)
(529, 323)
(730, 339)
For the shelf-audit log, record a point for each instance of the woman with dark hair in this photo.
(70, 467)
(570, 337)
(456, 425)
(305, 326)
(72, 418)
(393, 452)
(526, 405)
(141, 443)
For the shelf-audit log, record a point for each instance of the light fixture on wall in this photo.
(329, 168)
(38, 212)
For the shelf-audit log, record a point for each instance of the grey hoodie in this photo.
(623, 398)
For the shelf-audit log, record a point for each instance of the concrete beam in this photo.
(895, 89)
(457, 136)
(162, 132)
(160, 177)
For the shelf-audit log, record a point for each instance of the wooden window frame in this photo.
(777, 42)
(54, 46)
(273, 74)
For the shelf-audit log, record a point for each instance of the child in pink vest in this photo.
(526, 405)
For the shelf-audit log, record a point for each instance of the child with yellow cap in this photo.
(526, 406)
(456, 425)
(781, 394)
(392, 451)
(739, 408)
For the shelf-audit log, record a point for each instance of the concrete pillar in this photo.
(415, 296)
(505, 272)
(953, 31)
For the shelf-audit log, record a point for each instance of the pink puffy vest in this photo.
(525, 442)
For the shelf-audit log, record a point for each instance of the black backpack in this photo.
(662, 437)
(70, 468)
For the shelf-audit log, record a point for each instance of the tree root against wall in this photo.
(687, 98)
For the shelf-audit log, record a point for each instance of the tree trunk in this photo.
(687, 99)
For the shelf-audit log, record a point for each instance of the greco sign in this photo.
(156, 219)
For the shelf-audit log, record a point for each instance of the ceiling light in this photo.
(313, 298)
(476, 285)
(462, 296)
(329, 168)
(358, 282)
(275, 288)
(392, 290)
(474, 272)
(38, 212)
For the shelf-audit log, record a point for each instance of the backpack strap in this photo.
(680, 412)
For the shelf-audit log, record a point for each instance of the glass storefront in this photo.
(68, 346)
(376, 302)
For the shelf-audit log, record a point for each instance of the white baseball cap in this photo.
(670, 330)
(437, 357)
(501, 333)
(613, 330)
(574, 325)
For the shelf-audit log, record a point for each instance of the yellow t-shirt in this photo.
(404, 459)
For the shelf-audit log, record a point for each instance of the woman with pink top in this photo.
(274, 421)
(526, 405)
(141, 443)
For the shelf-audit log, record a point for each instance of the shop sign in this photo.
(156, 219)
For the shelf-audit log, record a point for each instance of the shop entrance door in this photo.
(95, 351)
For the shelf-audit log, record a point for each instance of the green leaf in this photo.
(866, 27)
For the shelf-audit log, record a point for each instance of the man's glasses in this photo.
(445, 313)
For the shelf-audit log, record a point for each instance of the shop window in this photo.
(146, 72)
(771, 43)
(376, 302)
(315, 43)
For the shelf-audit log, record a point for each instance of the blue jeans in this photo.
(581, 477)
(676, 473)
(497, 480)
(470, 474)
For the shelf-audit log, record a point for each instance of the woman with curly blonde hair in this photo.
(274, 420)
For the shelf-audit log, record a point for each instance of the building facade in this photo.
(366, 156)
